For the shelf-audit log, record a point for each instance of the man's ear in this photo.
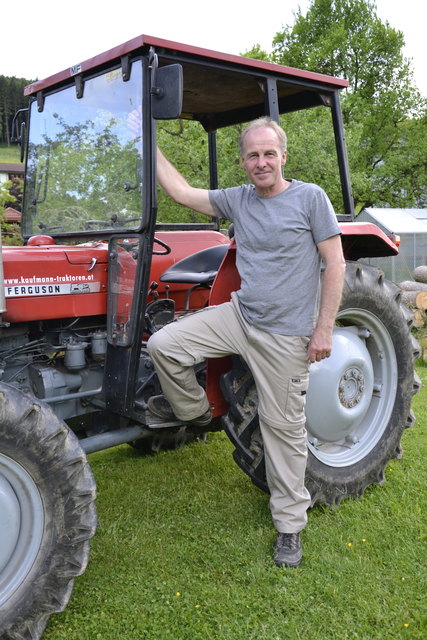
(284, 156)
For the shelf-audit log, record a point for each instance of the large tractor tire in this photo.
(47, 514)
(358, 401)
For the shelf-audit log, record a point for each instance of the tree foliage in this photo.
(384, 114)
(344, 38)
(9, 194)
(11, 99)
(185, 143)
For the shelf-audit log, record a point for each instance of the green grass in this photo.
(9, 154)
(183, 552)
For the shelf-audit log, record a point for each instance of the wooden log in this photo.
(408, 298)
(420, 273)
(415, 299)
(412, 285)
(419, 318)
(421, 300)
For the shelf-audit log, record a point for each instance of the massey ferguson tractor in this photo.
(99, 273)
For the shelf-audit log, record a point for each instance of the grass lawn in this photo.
(9, 154)
(183, 552)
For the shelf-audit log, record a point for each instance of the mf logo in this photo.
(76, 69)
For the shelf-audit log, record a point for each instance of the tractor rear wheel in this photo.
(47, 514)
(358, 401)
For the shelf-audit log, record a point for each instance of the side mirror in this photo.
(166, 95)
(18, 130)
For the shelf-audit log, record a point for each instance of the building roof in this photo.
(12, 215)
(398, 221)
(11, 167)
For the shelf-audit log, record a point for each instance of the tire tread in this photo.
(44, 436)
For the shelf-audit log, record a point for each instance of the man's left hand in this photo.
(320, 345)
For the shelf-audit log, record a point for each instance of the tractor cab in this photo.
(90, 170)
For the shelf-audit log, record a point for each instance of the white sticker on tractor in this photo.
(51, 289)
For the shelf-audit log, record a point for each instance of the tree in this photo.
(11, 99)
(4, 194)
(344, 38)
(10, 231)
(384, 114)
(176, 139)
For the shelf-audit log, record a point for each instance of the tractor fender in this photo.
(227, 280)
(366, 240)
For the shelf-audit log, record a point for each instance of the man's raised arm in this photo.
(177, 187)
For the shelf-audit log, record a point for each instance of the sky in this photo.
(44, 37)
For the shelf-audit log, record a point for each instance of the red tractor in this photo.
(98, 273)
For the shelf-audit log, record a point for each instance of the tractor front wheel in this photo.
(47, 514)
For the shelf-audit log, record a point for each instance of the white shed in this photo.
(411, 226)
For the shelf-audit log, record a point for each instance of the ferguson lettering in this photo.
(68, 285)
(36, 290)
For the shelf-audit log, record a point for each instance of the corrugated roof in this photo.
(397, 220)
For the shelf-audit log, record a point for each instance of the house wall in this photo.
(10, 170)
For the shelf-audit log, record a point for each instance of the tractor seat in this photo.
(199, 269)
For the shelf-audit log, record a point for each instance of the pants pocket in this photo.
(296, 397)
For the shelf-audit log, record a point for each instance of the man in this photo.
(279, 321)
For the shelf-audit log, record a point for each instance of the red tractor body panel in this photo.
(50, 281)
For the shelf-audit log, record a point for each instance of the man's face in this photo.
(263, 160)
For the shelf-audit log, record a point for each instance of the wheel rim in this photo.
(21, 525)
(351, 394)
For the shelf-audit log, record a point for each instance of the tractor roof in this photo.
(219, 88)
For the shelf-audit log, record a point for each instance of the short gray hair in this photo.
(259, 123)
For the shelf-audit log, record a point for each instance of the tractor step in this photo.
(154, 422)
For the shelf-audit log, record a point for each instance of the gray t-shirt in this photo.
(277, 257)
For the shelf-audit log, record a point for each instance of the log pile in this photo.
(414, 295)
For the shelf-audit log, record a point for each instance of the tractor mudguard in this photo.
(366, 240)
(226, 281)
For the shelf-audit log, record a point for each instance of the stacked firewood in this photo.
(414, 295)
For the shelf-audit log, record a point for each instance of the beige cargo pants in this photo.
(280, 370)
